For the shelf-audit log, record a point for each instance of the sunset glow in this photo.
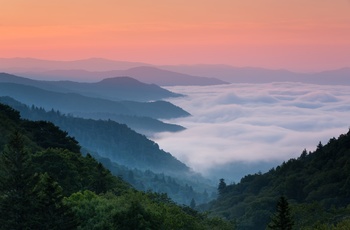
(306, 35)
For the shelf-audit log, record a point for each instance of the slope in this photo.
(182, 187)
(46, 142)
(320, 178)
(110, 139)
(45, 186)
(76, 103)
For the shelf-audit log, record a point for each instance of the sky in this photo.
(238, 129)
(299, 35)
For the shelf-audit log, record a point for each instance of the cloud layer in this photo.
(255, 123)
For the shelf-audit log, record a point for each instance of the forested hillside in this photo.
(190, 189)
(128, 154)
(110, 139)
(317, 186)
(46, 183)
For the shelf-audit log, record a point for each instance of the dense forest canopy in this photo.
(109, 138)
(46, 183)
(128, 154)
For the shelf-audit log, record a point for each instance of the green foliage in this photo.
(179, 189)
(221, 187)
(46, 135)
(136, 210)
(57, 188)
(315, 183)
(120, 144)
(111, 139)
(75, 172)
(51, 212)
(8, 119)
(282, 219)
(16, 186)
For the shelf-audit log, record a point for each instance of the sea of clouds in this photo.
(245, 128)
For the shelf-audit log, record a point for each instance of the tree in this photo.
(222, 186)
(17, 180)
(52, 213)
(136, 217)
(102, 179)
(281, 220)
(193, 203)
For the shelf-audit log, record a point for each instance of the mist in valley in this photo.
(239, 129)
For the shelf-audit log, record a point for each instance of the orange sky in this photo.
(302, 35)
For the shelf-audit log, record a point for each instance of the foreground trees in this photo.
(282, 219)
(29, 200)
(16, 187)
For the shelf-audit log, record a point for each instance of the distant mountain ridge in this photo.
(261, 75)
(118, 88)
(146, 74)
(166, 75)
(87, 100)
(94, 69)
(73, 103)
(162, 77)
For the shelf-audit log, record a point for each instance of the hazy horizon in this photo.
(157, 65)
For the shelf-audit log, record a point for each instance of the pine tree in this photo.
(281, 220)
(193, 203)
(52, 213)
(17, 181)
(222, 186)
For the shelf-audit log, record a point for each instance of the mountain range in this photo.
(117, 88)
(316, 184)
(167, 75)
(98, 69)
(99, 100)
(74, 103)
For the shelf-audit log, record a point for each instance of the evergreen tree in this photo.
(222, 186)
(52, 213)
(281, 220)
(101, 182)
(136, 218)
(17, 199)
(193, 203)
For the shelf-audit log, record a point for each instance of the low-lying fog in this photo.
(245, 128)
